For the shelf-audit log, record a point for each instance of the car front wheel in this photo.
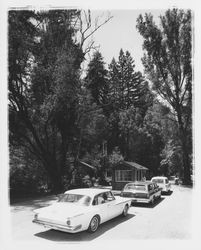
(125, 211)
(94, 224)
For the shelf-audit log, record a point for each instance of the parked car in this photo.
(143, 192)
(163, 183)
(174, 180)
(82, 209)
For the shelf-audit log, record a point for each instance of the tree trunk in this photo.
(186, 163)
(55, 175)
(185, 154)
(56, 181)
(57, 186)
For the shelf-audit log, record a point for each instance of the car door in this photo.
(114, 209)
(150, 190)
(101, 207)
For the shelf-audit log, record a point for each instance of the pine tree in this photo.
(130, 97)
(127, 87)
(96, 80)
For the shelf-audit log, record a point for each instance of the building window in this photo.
(123, 175)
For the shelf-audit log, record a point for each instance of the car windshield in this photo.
(157, 180)
(135, 187)
(76, 198)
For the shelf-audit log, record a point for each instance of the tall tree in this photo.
(96, 80)
(130, 94)
(128, 86)
(45, 90)
(43, 80)
(167, 62)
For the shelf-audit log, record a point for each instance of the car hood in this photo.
(61, 210)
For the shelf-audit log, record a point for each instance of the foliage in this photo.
(51, 114)
(130, 96)
(57, 118)
(97, 158)
(96, 79)
(94, 157)
(91, 122)
(43, 99)
(115, 157)
(167, 62)
(26, 176)
(128, 88)
(172, 160)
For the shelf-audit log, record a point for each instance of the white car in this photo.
(163, 183)
(82, 209)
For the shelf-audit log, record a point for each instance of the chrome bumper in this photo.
(67, 229)
(141, 200)
(165, 190)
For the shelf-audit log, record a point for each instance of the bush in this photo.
(27, 180)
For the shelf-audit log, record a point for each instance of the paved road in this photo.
(170, 218)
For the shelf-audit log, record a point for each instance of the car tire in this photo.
(125, 211)
(152, 201)
(94, 224)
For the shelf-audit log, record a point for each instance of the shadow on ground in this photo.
(156, 203)
(167, 194)
(83, 236)
(33, 204)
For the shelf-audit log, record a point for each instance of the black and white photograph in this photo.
(100, 137)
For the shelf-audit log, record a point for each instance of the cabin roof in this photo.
(87, 165)
(134, 165)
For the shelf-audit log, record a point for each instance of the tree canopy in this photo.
(45, 91)
(167, 61)
(57, 117)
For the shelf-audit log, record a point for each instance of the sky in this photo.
(120, 32)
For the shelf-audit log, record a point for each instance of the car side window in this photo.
(152, 186)
(95, 201)
(103, 198)
(109, 197)
(166, 181)
(99, 199)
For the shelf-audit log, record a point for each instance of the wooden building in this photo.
(126, 172)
